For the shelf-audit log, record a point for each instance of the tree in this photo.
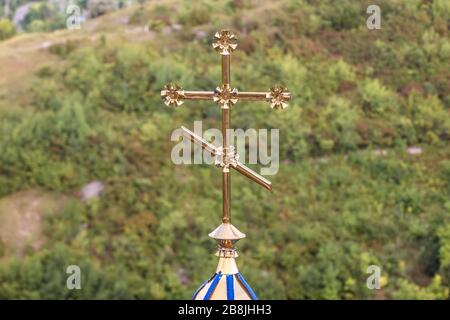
(7, 29)
(100, 7)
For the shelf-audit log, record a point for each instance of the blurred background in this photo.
(86, 176)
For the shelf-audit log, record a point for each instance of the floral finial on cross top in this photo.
(225, 42)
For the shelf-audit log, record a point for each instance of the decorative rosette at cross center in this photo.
(225, 42)
(225, 96)
(226, 157)
(172, 95)
(278, 97)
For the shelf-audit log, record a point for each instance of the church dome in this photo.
(227, 283)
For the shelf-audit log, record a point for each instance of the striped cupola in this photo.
(227, 283)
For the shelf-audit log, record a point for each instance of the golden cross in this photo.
(225, 96)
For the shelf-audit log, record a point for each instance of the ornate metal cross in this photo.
(226, 97)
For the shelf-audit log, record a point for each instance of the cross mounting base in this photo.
(226, 231)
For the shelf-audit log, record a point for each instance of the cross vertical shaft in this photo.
(226, 176)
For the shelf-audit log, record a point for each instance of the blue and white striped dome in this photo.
(226, 284)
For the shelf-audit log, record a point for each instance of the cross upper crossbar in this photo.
(277, 96)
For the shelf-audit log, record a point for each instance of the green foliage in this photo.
(7, 29)
(195, 13)
(43, 276)
(43, 16)
(429, 118)
(346, 15)
(376, 97)
(441, 8)
(444, 237)
(435, 291)
(133, 79)
(64, 49)
(100, 7)
(339, 121)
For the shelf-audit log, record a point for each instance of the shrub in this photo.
(408, 290)
(63, 49)
(85, 71)
(377, 98)
(195, 13)
(441, 8)
(339, 119)
(7, 29)
(100, 7)
(429, 118)
(43, 16)
(346, 15)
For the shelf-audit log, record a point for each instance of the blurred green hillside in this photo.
(364, 146)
